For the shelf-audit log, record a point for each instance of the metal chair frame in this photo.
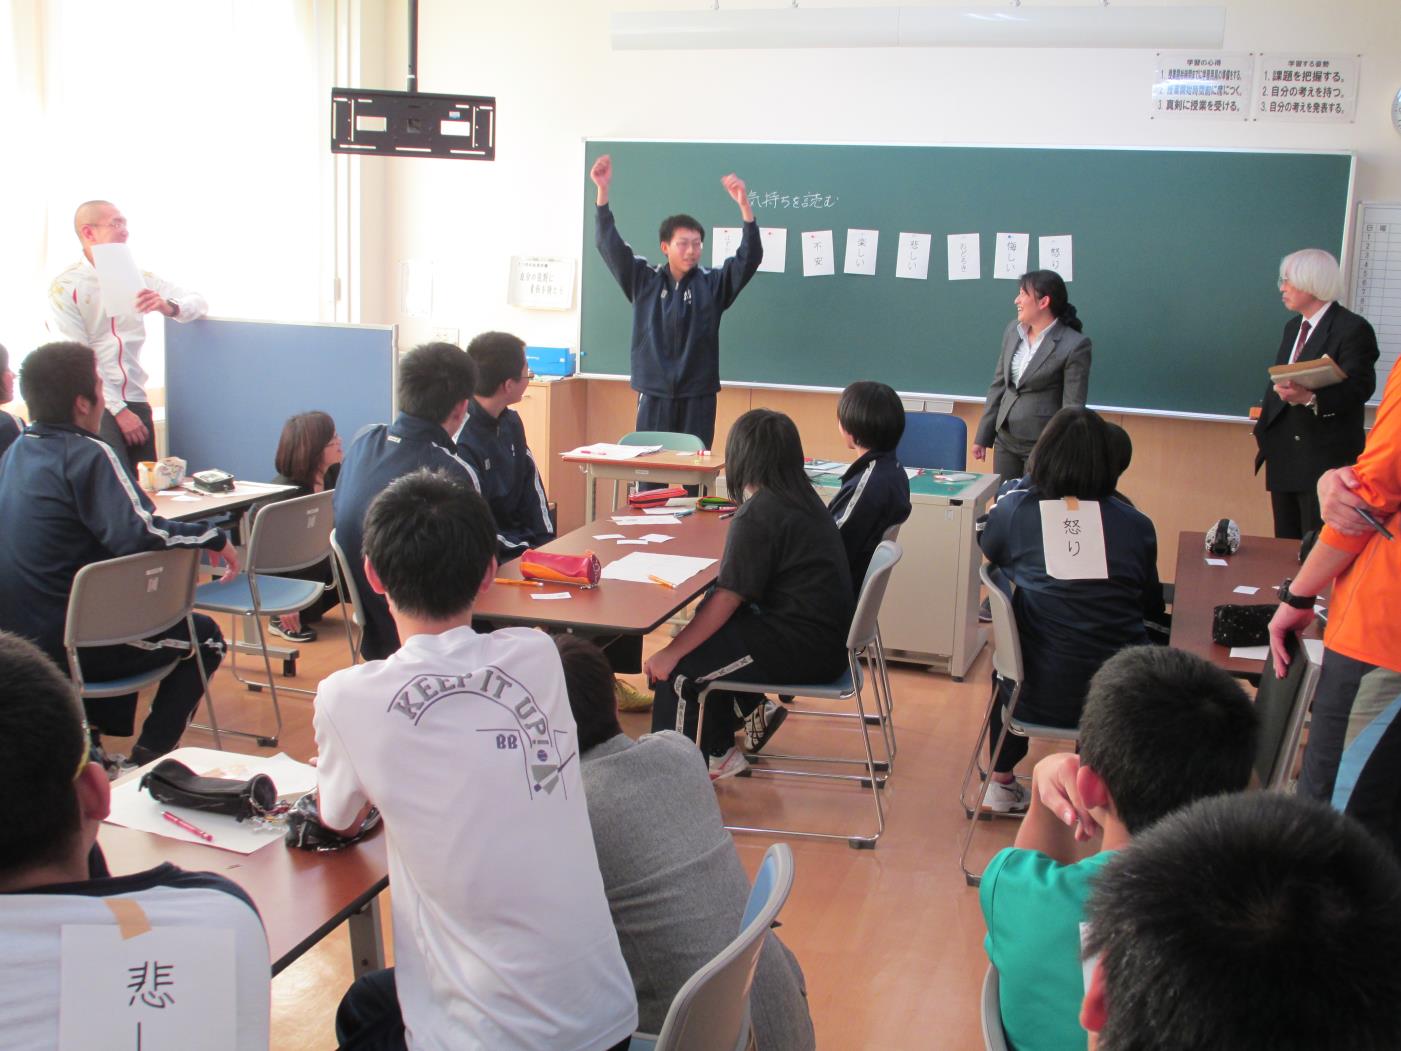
(352, 592)
(990, 1012)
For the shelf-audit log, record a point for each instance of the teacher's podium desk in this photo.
(665, 465)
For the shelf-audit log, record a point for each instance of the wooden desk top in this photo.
(665, 459)
(170, 503)
(615, 606)
(302, 895)
(1261, 562)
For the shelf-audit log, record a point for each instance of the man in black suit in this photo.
(1302, 433)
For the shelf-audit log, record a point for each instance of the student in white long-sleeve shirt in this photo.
(75, 301)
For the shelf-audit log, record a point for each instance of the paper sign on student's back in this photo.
(161, 989)
(1072, 535)
(118, 278)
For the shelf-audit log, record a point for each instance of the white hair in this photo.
(1314, 271)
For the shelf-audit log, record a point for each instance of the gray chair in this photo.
(994, 1036)
(1282, 705)
(125, 601)
(860, 648)
(352, 592)
(711, 1011)
(287, 535)
(1007, 666)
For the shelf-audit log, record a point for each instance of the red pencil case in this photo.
(656, 497)
(580, 570)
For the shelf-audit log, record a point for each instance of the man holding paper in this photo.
(102, 300)
(1303, 432)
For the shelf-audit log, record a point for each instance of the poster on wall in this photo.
(541, 283)
(1312, 88)
(1202, 85)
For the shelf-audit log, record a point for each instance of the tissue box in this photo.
(550, 361)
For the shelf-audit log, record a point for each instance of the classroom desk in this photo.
(1261, 562)
(673, 468)
(302, 895)
(619, 607)
(210, 505)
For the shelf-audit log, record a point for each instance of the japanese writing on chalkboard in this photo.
(774, 199)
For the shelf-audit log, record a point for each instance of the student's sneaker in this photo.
(985, 612)
(630, 698)
(762, 723)
(115, 764)
(305, 633)
(731, 764)
(1011, 798)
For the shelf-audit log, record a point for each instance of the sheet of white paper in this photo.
(1073, 540)
(621, 543)
(1245, 589)
(1009, 260)
(668, 509)
(1250, 653)
(912, 257)
(118, 277)
(911, 472)
(724, 242)
(861, 252)
(641, 566)
(604, 536)
(1217, 562)
(417, 280)
(648, 520)
(168, 988)
(1054, 253)
(775, 242)
(658, 538)
(552, 596)
(1314, 648)
(608, 451)
(965, 257)
(817, 253)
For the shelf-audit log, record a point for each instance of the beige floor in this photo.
(890, 939)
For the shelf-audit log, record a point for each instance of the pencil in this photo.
(663, 583)
(514, 583)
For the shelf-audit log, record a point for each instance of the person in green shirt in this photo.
(1161, 729)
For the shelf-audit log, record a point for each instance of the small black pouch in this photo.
(306, 832)
(173, 783)
(1242, 625)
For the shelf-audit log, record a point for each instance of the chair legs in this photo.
(970, 877)
(976, 758)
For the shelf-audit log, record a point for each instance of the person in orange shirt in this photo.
(1353, 759)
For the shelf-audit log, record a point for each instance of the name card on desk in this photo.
(1072, 535)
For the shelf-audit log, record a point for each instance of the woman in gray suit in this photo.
(1044, 367)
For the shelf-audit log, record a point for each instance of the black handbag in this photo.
(306, 832)
(175, 784)
(1242, 625)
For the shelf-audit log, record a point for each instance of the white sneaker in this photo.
(731, 764)
(1010, 798)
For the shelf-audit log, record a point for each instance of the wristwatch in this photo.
(174, 308)
(1291, 599)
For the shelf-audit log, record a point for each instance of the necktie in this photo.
(1299, 344)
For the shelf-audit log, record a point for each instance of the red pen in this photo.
(182, 823)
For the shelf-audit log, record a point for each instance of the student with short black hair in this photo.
(10, 425)
(1256, 922)
(53, 876)
(436, 381)
(466, 744)
(493, 441)
(781, 605)
(875, 491)
(1161, 729)
(1068, 628)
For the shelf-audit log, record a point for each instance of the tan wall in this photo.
(1185, 473)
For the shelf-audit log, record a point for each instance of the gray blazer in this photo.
(1057, 377)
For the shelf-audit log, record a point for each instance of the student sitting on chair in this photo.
(875, 492)
(1068, 627)
(53, 877)
(309, 457)
(493, 441)
(1255, 922)
(10, 425)
(674, 882)
(67, 500)
(781, 606)
(465, 742)
(1161, 728)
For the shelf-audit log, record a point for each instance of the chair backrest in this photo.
(893, 533)
(1281, 705)
(352, 592)
(130, 598)
(933, 439)
(994, 1036)
(711, 1011)
(673, 441)
(863, 623)
(1006, 643)
(291, 534)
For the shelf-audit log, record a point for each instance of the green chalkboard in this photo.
(1175, 258)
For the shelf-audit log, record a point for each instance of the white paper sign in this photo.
(416, 279)
(1321, 89)
(817, 253)
(169, 989)
(1009, 260)
(1053, 253)
(724, 242)
(1073, 539)
(1202, 85)
(912, 260)
(965, 261)
(541, 283)
(861, 252)
(118, 277)
(775, 241)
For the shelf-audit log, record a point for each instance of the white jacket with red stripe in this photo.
(75, 301)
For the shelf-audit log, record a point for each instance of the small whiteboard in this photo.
(1376, 282)
(541, 283)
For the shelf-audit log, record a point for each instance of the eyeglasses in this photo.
(115, 224)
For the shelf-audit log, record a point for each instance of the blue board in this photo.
(230, 386)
